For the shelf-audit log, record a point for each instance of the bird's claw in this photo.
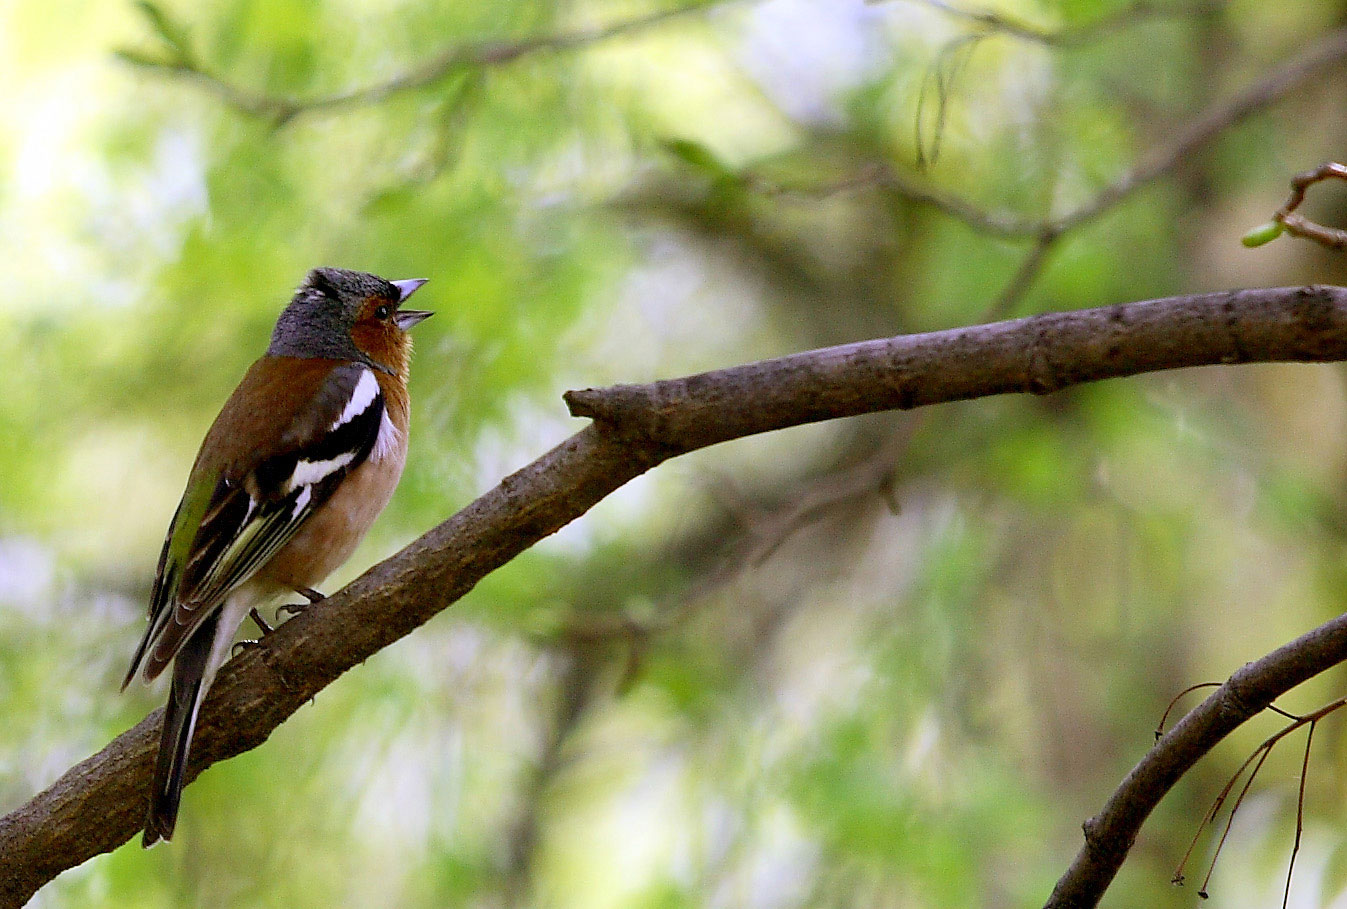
(307, 593)
(261, 622)
(241, 646)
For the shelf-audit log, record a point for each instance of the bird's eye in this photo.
(383, 312)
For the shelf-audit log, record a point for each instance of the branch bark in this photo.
(99, 804)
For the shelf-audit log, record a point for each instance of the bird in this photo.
(302, 458)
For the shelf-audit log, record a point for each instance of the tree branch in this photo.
(1110, 833)
(99, 804)
(468, 55)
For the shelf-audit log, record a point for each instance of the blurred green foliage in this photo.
(747, 679)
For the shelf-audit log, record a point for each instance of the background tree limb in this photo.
(98, 804)
(184, 64)
(1186, 139)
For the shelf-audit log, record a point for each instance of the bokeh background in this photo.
(885, 662)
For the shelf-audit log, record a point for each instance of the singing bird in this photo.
(302, 458)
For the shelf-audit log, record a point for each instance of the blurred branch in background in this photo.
(1193, 135)
(582, 671)
(602, 652)
(1200, 130)
(180, 61)
(991, 22)
(97, 805)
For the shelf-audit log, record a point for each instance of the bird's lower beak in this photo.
(406, 318)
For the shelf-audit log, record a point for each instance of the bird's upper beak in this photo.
(406, 318)
(407, 287)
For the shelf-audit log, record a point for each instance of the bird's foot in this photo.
(307, 593)
(240, 646)
(249, 644)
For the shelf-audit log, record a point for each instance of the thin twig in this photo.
(1300, 811)
(1164, 718)
(1262, 753)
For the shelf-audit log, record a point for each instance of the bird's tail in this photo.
(189, 686)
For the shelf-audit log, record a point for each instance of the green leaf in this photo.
(1263, 233)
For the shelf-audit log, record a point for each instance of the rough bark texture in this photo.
(99, 804)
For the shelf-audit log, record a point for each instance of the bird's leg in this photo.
(307, 593)
(265, 628)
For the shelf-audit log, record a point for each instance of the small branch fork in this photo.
(1251, 690)
(1297, 224)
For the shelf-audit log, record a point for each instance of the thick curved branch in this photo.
(1039, 355)
(99, 804)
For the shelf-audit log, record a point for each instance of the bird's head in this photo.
(350, 315)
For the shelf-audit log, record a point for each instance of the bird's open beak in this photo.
(406, 318)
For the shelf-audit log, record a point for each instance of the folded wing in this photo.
(255, 483)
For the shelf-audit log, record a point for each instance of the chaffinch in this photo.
(303, 457)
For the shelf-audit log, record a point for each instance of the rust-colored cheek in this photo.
(383, 343)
